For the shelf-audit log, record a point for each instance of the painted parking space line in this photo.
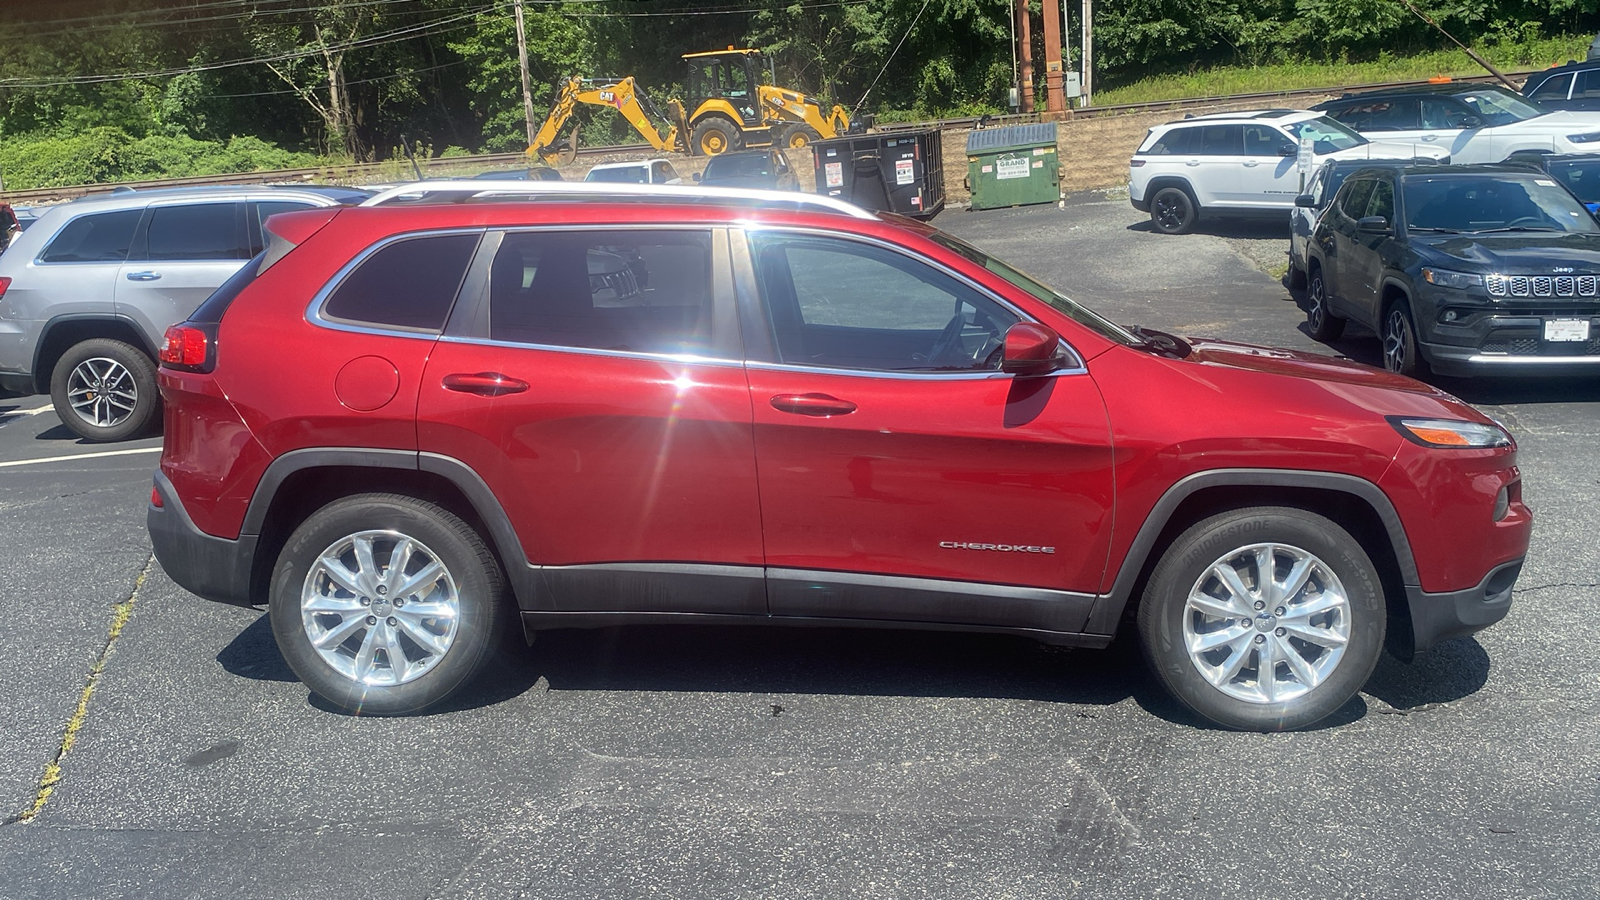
(68, 458)
(17, 415)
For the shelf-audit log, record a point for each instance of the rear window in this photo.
(101, 237)
(409, 284)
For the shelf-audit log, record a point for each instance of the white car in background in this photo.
(1241, 162)
(1473, 123)
(649, 171)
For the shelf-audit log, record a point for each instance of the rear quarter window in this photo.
(99, 237)
(409, 284)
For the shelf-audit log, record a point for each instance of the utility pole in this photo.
(522, 62)
(1087, 56)
(1054, 100)
(1025, 44)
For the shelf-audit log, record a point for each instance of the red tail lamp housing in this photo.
(189, 347)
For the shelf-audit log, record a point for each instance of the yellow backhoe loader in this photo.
(732, 110)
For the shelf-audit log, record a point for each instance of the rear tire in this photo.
(105, 390)
(1209, 622)
(1320, 321)
(385, 605)
(799, 136)
(1173, 211)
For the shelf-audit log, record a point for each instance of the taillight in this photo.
(155, 497)
(5, 282)
(1135, 163)
(189, 347)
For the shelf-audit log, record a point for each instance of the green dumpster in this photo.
(1013, 165)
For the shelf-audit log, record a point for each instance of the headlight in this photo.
(1587, 138)
(1450, 433)
(1447, 279)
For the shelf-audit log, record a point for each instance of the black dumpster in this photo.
(902, 172)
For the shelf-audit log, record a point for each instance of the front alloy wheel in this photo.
(1400, 353)
(1263, 618)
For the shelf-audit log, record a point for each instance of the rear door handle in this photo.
(819, 405)
(144, 276)
(486, 384)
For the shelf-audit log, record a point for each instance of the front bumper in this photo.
(211, 567)
(1505, 338)
(1440, 617)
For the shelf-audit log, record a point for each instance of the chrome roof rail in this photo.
(463, 190)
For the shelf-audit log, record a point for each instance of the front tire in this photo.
(1320, 321)
(385, 605)
(1256, 653)
(105, 390)
(1399, 336)
(799, 136)
(1173, 211)
(715, 135)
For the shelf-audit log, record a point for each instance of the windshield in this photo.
(1080, 314)
(739, 165)
(622, 174)
(1502, 202)
(1325, 134)
(1582, 177)
(1496, 106)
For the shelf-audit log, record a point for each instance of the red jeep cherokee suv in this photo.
(409, 422)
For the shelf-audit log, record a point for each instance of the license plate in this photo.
(1566, 329)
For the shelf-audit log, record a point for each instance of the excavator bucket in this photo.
(567, 149)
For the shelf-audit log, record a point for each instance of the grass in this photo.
(1304, 75)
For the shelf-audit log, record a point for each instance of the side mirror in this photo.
(1373, 225)
(1471, 122)
(696, 177)
(1031, 349)
(1288, 150)
(1306, 201)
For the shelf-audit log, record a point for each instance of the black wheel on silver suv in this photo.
(384, 604)
(105, 390)
(1264, 618)
(1322, 323)
(1173, 211)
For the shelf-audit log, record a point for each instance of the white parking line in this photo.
(51, 459)
(16, 415)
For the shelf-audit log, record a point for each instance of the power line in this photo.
(407, 74)
(892, 53)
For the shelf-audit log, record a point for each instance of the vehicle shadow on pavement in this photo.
(1452, 670)
(1254, 228)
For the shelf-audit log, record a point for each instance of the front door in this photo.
(1270, 173)
(592, 380)
(903, 477)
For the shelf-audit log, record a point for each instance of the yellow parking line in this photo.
(51, 459)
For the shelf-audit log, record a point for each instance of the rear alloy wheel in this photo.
(1264, 619)
(384, 604)
(1173, 211)
(1400, 354)
(105, 390)
(1323, 324)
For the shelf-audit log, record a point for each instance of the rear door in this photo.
(903, 477)
(182, 252)
(592, 379)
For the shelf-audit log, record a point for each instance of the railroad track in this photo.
(355, 173)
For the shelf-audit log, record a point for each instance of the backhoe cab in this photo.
(732, 109)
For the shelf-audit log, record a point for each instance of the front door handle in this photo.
(144, 276)
(1251, 164)
(819, 405)
(485, 384)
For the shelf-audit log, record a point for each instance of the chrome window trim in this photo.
(902, 375)
(680, 358)
(746, 229)
(314, 316)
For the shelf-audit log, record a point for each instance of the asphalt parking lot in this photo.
(712, 762)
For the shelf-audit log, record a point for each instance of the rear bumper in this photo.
(1440, 617)
(1141, 205)
(211, 567)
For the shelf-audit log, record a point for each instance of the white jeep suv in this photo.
(1241, 162)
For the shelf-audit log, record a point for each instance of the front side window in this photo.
(201, 231)
(1582, 178)
(1353, 198)
(847, 305)
(1264, 140)
(1325, 134)
(409, 284)
(1382, 202)
(101, 237)
(1588, 87)
(663, 172)
(628, 291)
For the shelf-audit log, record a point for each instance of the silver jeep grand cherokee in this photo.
(87, 292)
